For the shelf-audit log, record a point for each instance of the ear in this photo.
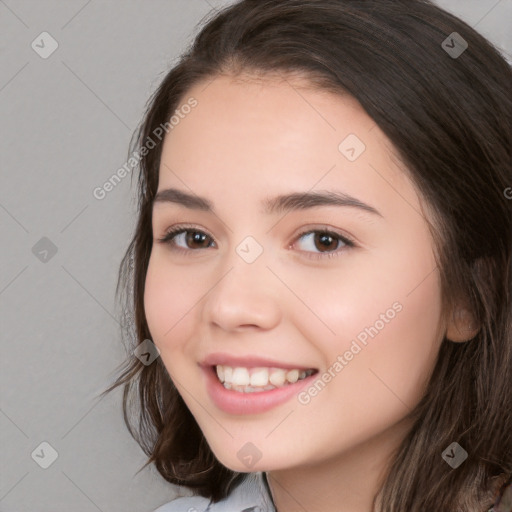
(461, 326)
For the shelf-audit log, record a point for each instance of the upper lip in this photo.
(248, 361)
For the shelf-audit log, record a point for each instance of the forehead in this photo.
(278, 100)
(248, 133)
(261, 114)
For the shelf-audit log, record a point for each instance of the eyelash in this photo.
(169, 235)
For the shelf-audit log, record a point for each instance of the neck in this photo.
(347, 482)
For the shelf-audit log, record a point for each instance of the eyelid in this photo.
(180, 228)
(324, 228)
(347, 241)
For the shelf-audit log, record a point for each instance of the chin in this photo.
(244, 462)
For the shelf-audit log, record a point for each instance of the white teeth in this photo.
(292, 376)
(259, 377)
(228, 373)
(250, 380)
(241, 377)
(278, 377)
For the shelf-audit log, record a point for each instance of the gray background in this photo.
(66, 124)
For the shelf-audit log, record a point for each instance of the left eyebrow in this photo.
(303, 201)
(273, 205)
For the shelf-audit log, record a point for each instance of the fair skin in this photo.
(248, 140)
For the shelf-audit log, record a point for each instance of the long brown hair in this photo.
(449, 118)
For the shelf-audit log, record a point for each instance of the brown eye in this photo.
(195, 237)
(181, 238)
(324, 244)
(323, 241)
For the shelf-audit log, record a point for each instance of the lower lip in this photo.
(236, 402)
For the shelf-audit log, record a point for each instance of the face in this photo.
(344, 288)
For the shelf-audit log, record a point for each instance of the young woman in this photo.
(319, 283)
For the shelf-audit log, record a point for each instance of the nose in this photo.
(244, 296)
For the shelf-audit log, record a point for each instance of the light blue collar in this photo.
(250, 495)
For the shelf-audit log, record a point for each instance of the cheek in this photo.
(378, 297)
(405, 350)
(404, 357)
(386, 321)
(386, 374)
(169, 299)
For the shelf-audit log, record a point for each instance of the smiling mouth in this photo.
(258, 379)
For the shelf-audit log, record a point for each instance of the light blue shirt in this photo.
(250, 496)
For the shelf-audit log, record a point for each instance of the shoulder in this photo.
(249, 496)
(186, 504)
